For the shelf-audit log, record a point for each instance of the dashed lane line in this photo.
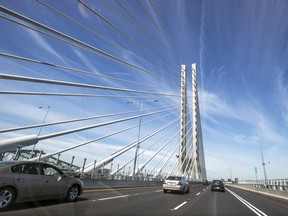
(116, 197)
(179, 206)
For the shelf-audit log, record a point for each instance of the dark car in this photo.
(23, 181)
(217, 185)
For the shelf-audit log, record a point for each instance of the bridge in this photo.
(166, 137)
(90, 88)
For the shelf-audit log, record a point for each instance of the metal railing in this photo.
(274, 184)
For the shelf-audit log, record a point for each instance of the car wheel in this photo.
(73, 193)
(188, 190)
(165, 191)
(7, 197)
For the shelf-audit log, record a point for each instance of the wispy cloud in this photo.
(202, 43)
(239, 127)
(39, 39)
(282, 90)
(83, 11)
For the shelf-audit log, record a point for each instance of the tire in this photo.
(165, 191)
(73, 193)
(7, 197)
(188, 190)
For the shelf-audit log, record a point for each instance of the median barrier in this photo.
(110, 183)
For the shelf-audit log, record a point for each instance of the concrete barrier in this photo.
(109, 183)
(112, 183)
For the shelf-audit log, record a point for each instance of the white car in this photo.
(176, 183)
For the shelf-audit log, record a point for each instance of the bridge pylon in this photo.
(198, 160)
(195, 162)
(183, 121)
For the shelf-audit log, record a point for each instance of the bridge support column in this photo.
(198, 160)
(183, 129)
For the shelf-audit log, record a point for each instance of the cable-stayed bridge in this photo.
(99, 97)
(105, 89)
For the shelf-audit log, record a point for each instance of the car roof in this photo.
(5, 163)
(216, 180)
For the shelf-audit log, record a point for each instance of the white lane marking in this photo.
(116, 197)
(198, 194)
(158, 191)
(249, 205)
(179, 206)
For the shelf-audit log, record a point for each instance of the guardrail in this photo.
(274, 184)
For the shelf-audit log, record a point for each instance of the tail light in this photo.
(179, 183)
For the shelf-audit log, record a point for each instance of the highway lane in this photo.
(152, 201)
(271, 206)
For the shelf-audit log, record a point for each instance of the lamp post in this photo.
(263, 163)
(138, 136)
(48, 108)
(44, 119)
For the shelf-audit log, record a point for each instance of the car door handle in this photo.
(18, 178)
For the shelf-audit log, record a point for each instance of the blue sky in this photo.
(241, 52)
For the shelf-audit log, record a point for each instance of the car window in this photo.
(174, 178)
(32, 169)
(217, 182)
(50, 171)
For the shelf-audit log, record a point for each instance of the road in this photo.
(152, 201)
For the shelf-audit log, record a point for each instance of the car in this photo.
(176, 183)
(217, 185)
(23, 181)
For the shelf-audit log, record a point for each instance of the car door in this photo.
(28, 180)
(55, 184)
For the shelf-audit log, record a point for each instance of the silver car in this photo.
(176, 183)
(23, 181)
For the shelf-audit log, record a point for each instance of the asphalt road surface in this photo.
(152, 201)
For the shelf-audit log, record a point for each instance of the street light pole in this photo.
(138, 136)
(44, 119)
(263, 163)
